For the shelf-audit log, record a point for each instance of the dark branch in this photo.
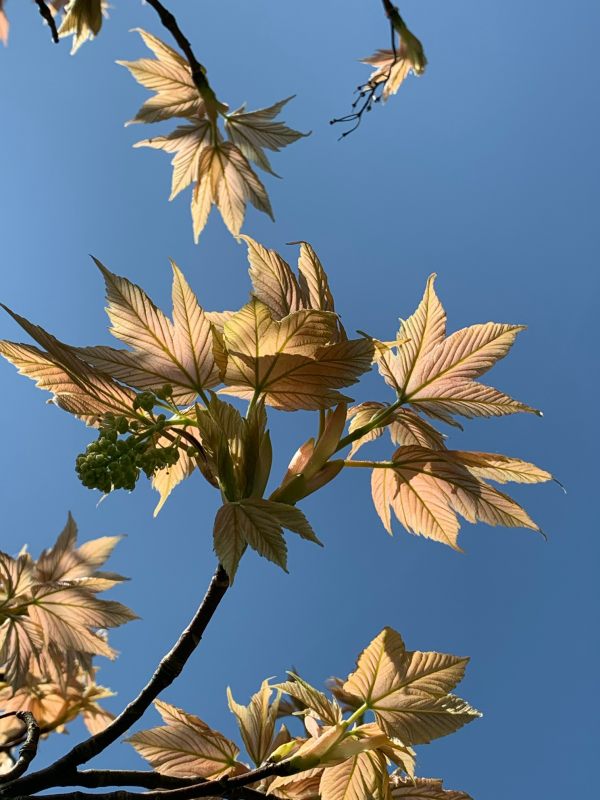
(47, 15)
(236, 787)
(169, 668)
(28, 750)
(170, 23)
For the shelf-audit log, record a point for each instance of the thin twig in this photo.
(27, 751)
(47, 15)
(169, 668)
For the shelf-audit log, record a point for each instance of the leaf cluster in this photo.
(52, 624)
(356, 743)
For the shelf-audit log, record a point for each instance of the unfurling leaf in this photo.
(257, 722)
(409, 691)
(254, 131)
(259, 524)
(404, 426)
(185, 746)
(82, 20)
(219, 170)
(358, 778)
(309, 697)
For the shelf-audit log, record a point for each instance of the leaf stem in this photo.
(376, 422)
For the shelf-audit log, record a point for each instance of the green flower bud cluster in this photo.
(112, 462)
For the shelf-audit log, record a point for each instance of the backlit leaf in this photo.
(254, 131)
(409, 691)
(328, 711)
(185, 746)
(362, 777)
(82, 20)
(424, 789)
(257, 722)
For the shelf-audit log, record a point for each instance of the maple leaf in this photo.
(409, 691)
(301, 786)
(170, 76)
(180, 352)
(423, 789)
(361, 777)
(295, 362)
(256, 722)
(404, 426)
(49, 615)
(259, 524)
(220, 170)
(185, 746)
(82, 20)
(254, 131)
(76, 386)
(427, 489)
(275, 284)
(435, 373)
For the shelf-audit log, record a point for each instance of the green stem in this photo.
(376, 422)
(370, 464)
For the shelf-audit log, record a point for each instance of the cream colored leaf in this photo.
(185, 746)
(421, 332)
(188, 142)
(257, 722)
(64, 561)
(168, 75)
(255, 131)
(229, 541)
(387, 672)
(328, 711)
(82, 20)
(499, 468)
(468, 353)
(76, 387)
(405, 427)
(392, 69)
(273, 282)
(424, 789)
(20, 641)
(165, 480)
(313, 280)
(301, 786)
(466, 397)
(291, 518)
(363, 777)
(234, 185)
(384, 489)
(68, 616)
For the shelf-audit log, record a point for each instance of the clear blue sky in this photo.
(486, 171)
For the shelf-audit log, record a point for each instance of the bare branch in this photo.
(169, 668)
(27, 751)
(47, 15)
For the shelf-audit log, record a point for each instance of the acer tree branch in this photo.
(47, 15)
(168, 669)
(170, 23)
(28, 750)
(236, 786)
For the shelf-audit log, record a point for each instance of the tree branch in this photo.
(27, 751)
(170, 23)
(169, 668)
(236, 786)
(47, 15)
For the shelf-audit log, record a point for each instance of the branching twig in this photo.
(168, 669)
(47, 15)
(28, 750)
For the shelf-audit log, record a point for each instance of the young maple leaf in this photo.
(423, 789)
(185, 746)
(409, 691)
(257, 722)
(219, 170)
(50, 616)
(436, 374)
(82, 20)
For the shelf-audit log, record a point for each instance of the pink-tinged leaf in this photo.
(185, 746)
(313, 280)
(423, 789)
(273, 282)
(468, 398)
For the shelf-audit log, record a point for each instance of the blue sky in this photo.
(485, 171)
